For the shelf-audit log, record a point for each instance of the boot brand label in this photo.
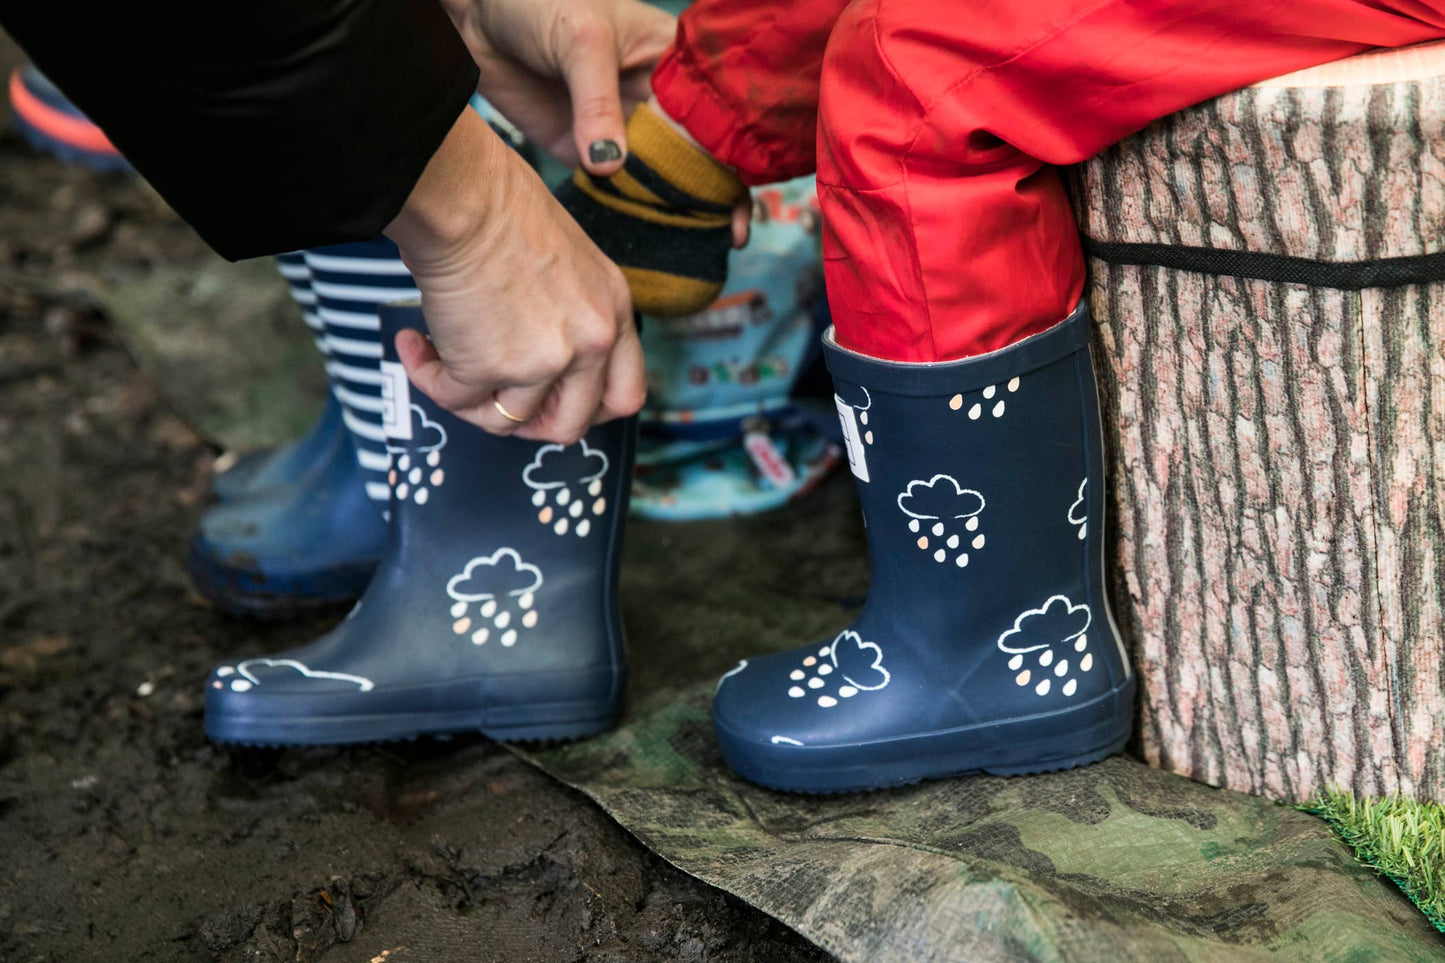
(395, 401)
(857, 458)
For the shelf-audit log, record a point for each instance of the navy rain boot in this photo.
(293, 549)
(493, 609)
(986, 643)
(260, 471)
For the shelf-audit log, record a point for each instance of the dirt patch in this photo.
(125, 834)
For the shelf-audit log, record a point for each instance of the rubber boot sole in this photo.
(1049, 742)
(272, 723)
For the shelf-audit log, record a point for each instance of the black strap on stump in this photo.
(1345, 275)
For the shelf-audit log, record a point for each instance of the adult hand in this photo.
(524, 311)
(566, 72)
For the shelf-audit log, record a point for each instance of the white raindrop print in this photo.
(409, 477)
(827, 674)
(1048, 634)
(567, 483)
(503, 588)
(990, 401)
(948, 510)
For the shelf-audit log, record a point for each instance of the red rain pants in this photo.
(935, 126)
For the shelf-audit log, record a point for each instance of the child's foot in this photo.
(665, 218)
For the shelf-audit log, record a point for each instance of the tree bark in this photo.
(1277, 448)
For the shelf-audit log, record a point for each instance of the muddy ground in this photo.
(127, 836)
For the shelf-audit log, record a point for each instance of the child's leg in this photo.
(742, 80)
(986, 642)
(946, 231)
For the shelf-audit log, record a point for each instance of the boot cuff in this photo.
(947, 377)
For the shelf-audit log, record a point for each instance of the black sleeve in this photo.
(269, 125)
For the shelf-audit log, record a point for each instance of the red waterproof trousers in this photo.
(934, 126)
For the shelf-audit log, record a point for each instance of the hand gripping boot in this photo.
(494, 607)
(986, 642)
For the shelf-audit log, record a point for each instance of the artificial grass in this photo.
(1399, 838)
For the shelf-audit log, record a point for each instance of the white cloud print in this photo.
(558, 465)
(854, 396)
(426, 435)
(859, 663)
(501, 573)
(938, 498)
(1056, 622)
(256, 672)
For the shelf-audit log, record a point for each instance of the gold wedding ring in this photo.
(507, 414)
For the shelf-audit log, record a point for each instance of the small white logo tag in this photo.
(396, 401)
(857, 459)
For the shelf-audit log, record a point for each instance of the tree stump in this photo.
(1267, 277)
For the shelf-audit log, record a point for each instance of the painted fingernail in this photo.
(603, 151)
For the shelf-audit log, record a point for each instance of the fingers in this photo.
(474, 403)
(626, 387)
(523, 403)
(570, 407)
(589, 67)
(424, 366)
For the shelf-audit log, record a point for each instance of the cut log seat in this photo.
(1268, 274)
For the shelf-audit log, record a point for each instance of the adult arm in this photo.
(288, 126)
(269, 125)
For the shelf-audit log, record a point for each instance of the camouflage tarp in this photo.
(1113, 862)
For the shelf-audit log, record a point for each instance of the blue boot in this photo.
(291, 549)
(986, 643)
(259, 471)
(493, 609)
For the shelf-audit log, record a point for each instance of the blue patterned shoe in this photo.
(50, 122)
(494, 608)
(293, 549)
(986, 643)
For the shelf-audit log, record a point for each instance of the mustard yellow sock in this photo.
(665, 218)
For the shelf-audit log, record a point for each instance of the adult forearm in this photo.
(268, 124)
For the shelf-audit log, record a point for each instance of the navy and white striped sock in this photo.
(298, 277)
(351, 282)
